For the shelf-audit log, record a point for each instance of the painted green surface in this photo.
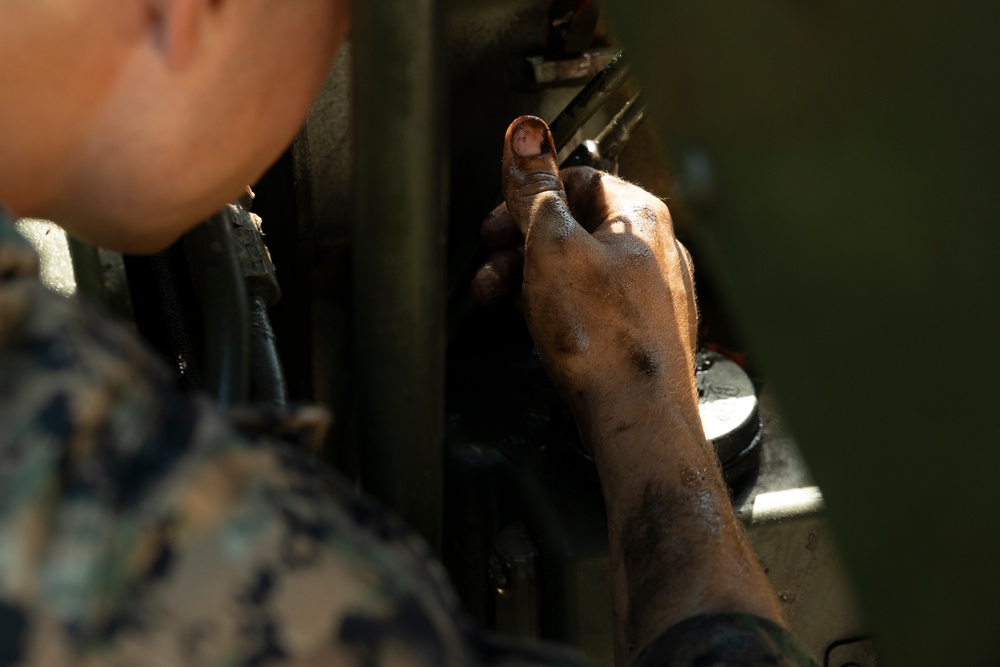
(850, 215)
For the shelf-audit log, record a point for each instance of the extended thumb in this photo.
(532, 187)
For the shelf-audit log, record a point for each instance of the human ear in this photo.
(177, 25)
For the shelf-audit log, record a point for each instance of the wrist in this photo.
(635, 438)
(627, 415)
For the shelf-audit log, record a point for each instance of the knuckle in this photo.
(581, 177)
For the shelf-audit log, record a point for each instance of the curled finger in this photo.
(500, 276)
(499, 230)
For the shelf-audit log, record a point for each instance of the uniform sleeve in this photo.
(725, 640)
(138, 527)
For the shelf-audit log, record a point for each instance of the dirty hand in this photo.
(607, 289)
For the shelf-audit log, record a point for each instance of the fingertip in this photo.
(499, 276)
(529, 136)
(487, 286)
(530, 168)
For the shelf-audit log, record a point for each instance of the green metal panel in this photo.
(399, 228)
(842, 159)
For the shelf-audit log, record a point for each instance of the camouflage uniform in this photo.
(137, 527)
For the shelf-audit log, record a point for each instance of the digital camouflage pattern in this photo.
(138, 527)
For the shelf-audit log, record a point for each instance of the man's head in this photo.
(127, 121)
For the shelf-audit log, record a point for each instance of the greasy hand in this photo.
(607, 289)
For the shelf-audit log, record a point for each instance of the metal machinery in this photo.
(523, 529)
(441, 408)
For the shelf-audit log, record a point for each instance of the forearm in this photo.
(677, 549)
(608, 295)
